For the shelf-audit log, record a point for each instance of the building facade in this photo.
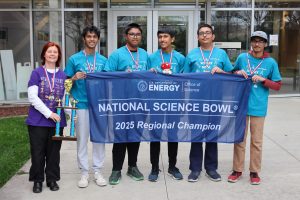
(25, 26)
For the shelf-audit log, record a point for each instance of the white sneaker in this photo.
(84, 181)
(99, 179)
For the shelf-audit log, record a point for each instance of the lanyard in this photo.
(162, 57)
(91, 69)
(137, 57)
(51, 86)
(255, 68)
(206, 62)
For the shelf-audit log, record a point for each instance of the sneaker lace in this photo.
(83, 182)
(235, 173)
(253, 175)
(155, 171)
(115, 174)
(175, 170)
(99, 176)
(84, 178)
(136, 171)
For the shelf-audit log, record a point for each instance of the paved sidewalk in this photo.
(280, 174)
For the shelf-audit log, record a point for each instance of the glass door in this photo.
(120, 19)
(180, 21)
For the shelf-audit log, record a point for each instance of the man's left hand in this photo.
(216, 70)
(257, 79)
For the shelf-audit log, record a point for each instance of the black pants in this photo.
(119, 151)
(210, 156)
(45, 154)
(155, 150)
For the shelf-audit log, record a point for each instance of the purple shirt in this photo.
(39, 78)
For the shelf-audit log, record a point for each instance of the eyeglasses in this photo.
(258, 41)
(205, 33)
(134, 35)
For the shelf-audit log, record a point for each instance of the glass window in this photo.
(15, 54)
(284, 25)
(75, 22)
(231, 4)
(15, 34)
(202, 16)
(180, 25)
(131, 3)
(46, 4)
(123, 21)
(46, 27)
(181, 3)
(277, 3)
(14, 4)
(226, 24)
(79, 3)
(103, 3)
(103, 33)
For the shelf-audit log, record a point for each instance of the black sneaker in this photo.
(213, 175)
(175, 173)
(194, 176)
(135, 174)
(153, 176)
(115, 177)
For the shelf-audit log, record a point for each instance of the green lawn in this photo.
(14, 147)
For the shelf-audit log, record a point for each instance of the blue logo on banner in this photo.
(142, 86)
(144, 106)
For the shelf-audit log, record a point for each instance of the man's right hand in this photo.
(242, 72)
(153, 70)
(79, 75)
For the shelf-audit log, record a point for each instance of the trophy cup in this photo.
(59, 107)
(73, 115)
(68, 85)
(58, 111)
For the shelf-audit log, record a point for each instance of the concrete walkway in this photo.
(280, 174)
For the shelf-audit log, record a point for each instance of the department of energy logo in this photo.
(142, 86)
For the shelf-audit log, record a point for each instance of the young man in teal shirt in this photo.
(206, 58)
(165, 60)
(127, 58)
(265, 75)
(86, 61)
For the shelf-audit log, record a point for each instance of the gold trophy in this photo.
(68, 85)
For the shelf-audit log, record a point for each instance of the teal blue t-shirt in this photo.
(80, 62)
(121, 60)
(155, 61)
(194, 61)
(258, 99)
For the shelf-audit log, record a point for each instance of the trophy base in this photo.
(67, 138)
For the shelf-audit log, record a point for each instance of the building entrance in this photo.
(180, 21)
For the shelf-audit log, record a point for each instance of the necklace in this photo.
(90, 68)
(206, 61)
(136, 62)
(51, 85)
(166, 65)
(255, 68)
(162, 57)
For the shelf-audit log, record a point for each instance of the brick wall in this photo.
(13, 110)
